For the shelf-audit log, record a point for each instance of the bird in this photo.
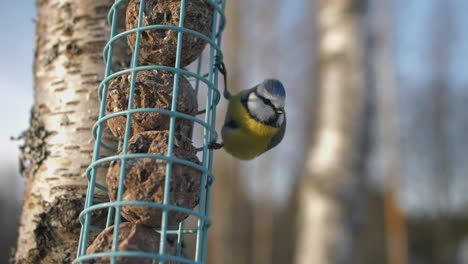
(255, 120)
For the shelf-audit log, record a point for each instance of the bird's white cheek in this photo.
(261, 111)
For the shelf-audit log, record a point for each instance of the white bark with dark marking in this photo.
(332, 184)
(67, 70)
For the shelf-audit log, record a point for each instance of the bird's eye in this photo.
(266, 101)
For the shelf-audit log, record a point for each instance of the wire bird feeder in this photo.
(151, 110)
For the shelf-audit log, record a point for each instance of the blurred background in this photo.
(16, 53)
(373, 167)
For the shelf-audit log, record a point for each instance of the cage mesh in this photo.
(105, 153)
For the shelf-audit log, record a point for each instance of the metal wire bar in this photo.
(100, 158)
(206, 141)
(209, 84)
(135, 254)
(148, 110)
(213, 139)
(167, 183)
(180, 239)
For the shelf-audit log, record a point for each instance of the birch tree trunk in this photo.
(331, 195)
(68, 67)
(389, 128)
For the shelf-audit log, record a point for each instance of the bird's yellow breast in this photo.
(251, 138)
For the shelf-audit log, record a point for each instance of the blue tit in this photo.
(255, 120)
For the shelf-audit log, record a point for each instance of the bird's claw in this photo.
(214, 145)
(221, 67)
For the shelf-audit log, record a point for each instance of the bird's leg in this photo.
(222, 69)
(214, 145)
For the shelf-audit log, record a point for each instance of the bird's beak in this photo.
(279, 111)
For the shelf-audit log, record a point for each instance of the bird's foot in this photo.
(214, 145)
(221, 68)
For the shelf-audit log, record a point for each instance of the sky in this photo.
(16, 87)
(16, 53)
(418, 23)
(16, 71)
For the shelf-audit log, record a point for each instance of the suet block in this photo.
(132, 237)
(153, 89)
(160, 46)
(144, 179)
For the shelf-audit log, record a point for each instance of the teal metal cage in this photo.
(210, 80)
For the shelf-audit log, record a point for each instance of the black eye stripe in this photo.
(266, 101)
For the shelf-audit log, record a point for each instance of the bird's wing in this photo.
(276, 139)
(230, 125)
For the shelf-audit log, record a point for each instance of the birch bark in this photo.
(58, 147)
(331, 194)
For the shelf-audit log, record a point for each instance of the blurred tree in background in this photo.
(332, 188)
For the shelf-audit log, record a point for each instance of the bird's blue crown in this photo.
(274, 87)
